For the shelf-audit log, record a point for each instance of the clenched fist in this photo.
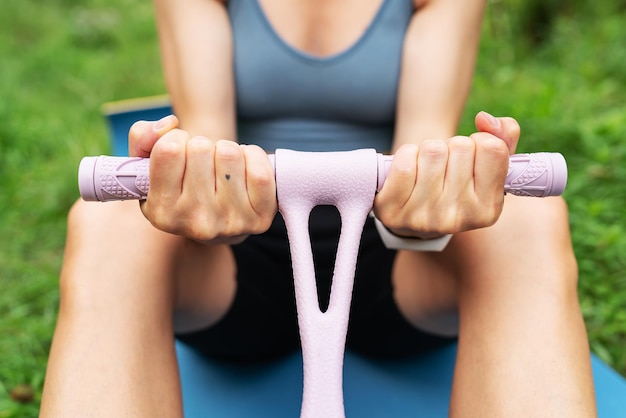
(206, 190)
(449, 186)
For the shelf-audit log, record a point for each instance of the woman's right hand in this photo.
(210, 191)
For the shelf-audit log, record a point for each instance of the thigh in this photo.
(531, 239)
(112, 250)
(114, 326)
(261, 323)
(377, 326)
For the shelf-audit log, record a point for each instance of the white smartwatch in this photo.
(395, 242)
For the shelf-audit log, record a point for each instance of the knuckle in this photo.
(200, 231)
(434, 149)
(158, 217)
(484, 222)
(260, 178)
(389, 216)
(404, 162)
(196, 224)
(484, 216)
(448, 222)
(140, 139)
(410, 150)
(404, 173)
(493, 147)
(253, 149)
(494, 212)
(228, 151)
(259, 226)
(235, 225)
(461, 145)
(138, 129)
(259, 171)
(423, 221)
(169, 148)
(165, 217)
(512, 126)
(200, 145)
(420, 220)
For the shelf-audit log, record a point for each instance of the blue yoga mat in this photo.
(386, 389)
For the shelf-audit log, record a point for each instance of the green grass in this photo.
(61, 59)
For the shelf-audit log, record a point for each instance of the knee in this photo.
(544, 234)
(87, 225)
(99, 218)
(108, 247)
(551, 228)
(563, 248)
(529, 247)
(77, 215)
(79, 220)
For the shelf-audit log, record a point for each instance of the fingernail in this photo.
(163, 122)
(493, 121)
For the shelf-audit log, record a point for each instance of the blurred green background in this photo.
(558, 66)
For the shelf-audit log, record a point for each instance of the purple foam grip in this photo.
(123, 178)
(540, 174)
(106, 178)
(536, 175)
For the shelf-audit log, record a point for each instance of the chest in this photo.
(320, 27)
(288, 69)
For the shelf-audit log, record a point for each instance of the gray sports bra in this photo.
(289, 99)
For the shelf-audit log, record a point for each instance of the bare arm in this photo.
(458, 186)
(202, 186)
(196, 52)
(437, 69)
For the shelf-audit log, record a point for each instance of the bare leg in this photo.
(523, 348)
(113, 349)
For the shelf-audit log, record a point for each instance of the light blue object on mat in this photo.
(372, 388)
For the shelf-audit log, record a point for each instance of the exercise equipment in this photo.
(371, 388)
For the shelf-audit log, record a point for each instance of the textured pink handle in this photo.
(113, 178)
(122, 178)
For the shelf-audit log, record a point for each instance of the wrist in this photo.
(429, 243)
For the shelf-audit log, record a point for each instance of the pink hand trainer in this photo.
(107, 178)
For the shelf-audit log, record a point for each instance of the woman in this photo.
(206, 250)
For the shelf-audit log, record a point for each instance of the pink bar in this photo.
(125, 178)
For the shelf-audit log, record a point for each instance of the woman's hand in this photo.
(449, 186)
(209, 191)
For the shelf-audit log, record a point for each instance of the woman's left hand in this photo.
(449, 186)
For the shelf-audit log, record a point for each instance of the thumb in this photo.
(144, 134)
(505, 128)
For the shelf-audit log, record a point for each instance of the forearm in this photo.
(196, 51)
(437, 69)
(197, 56)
